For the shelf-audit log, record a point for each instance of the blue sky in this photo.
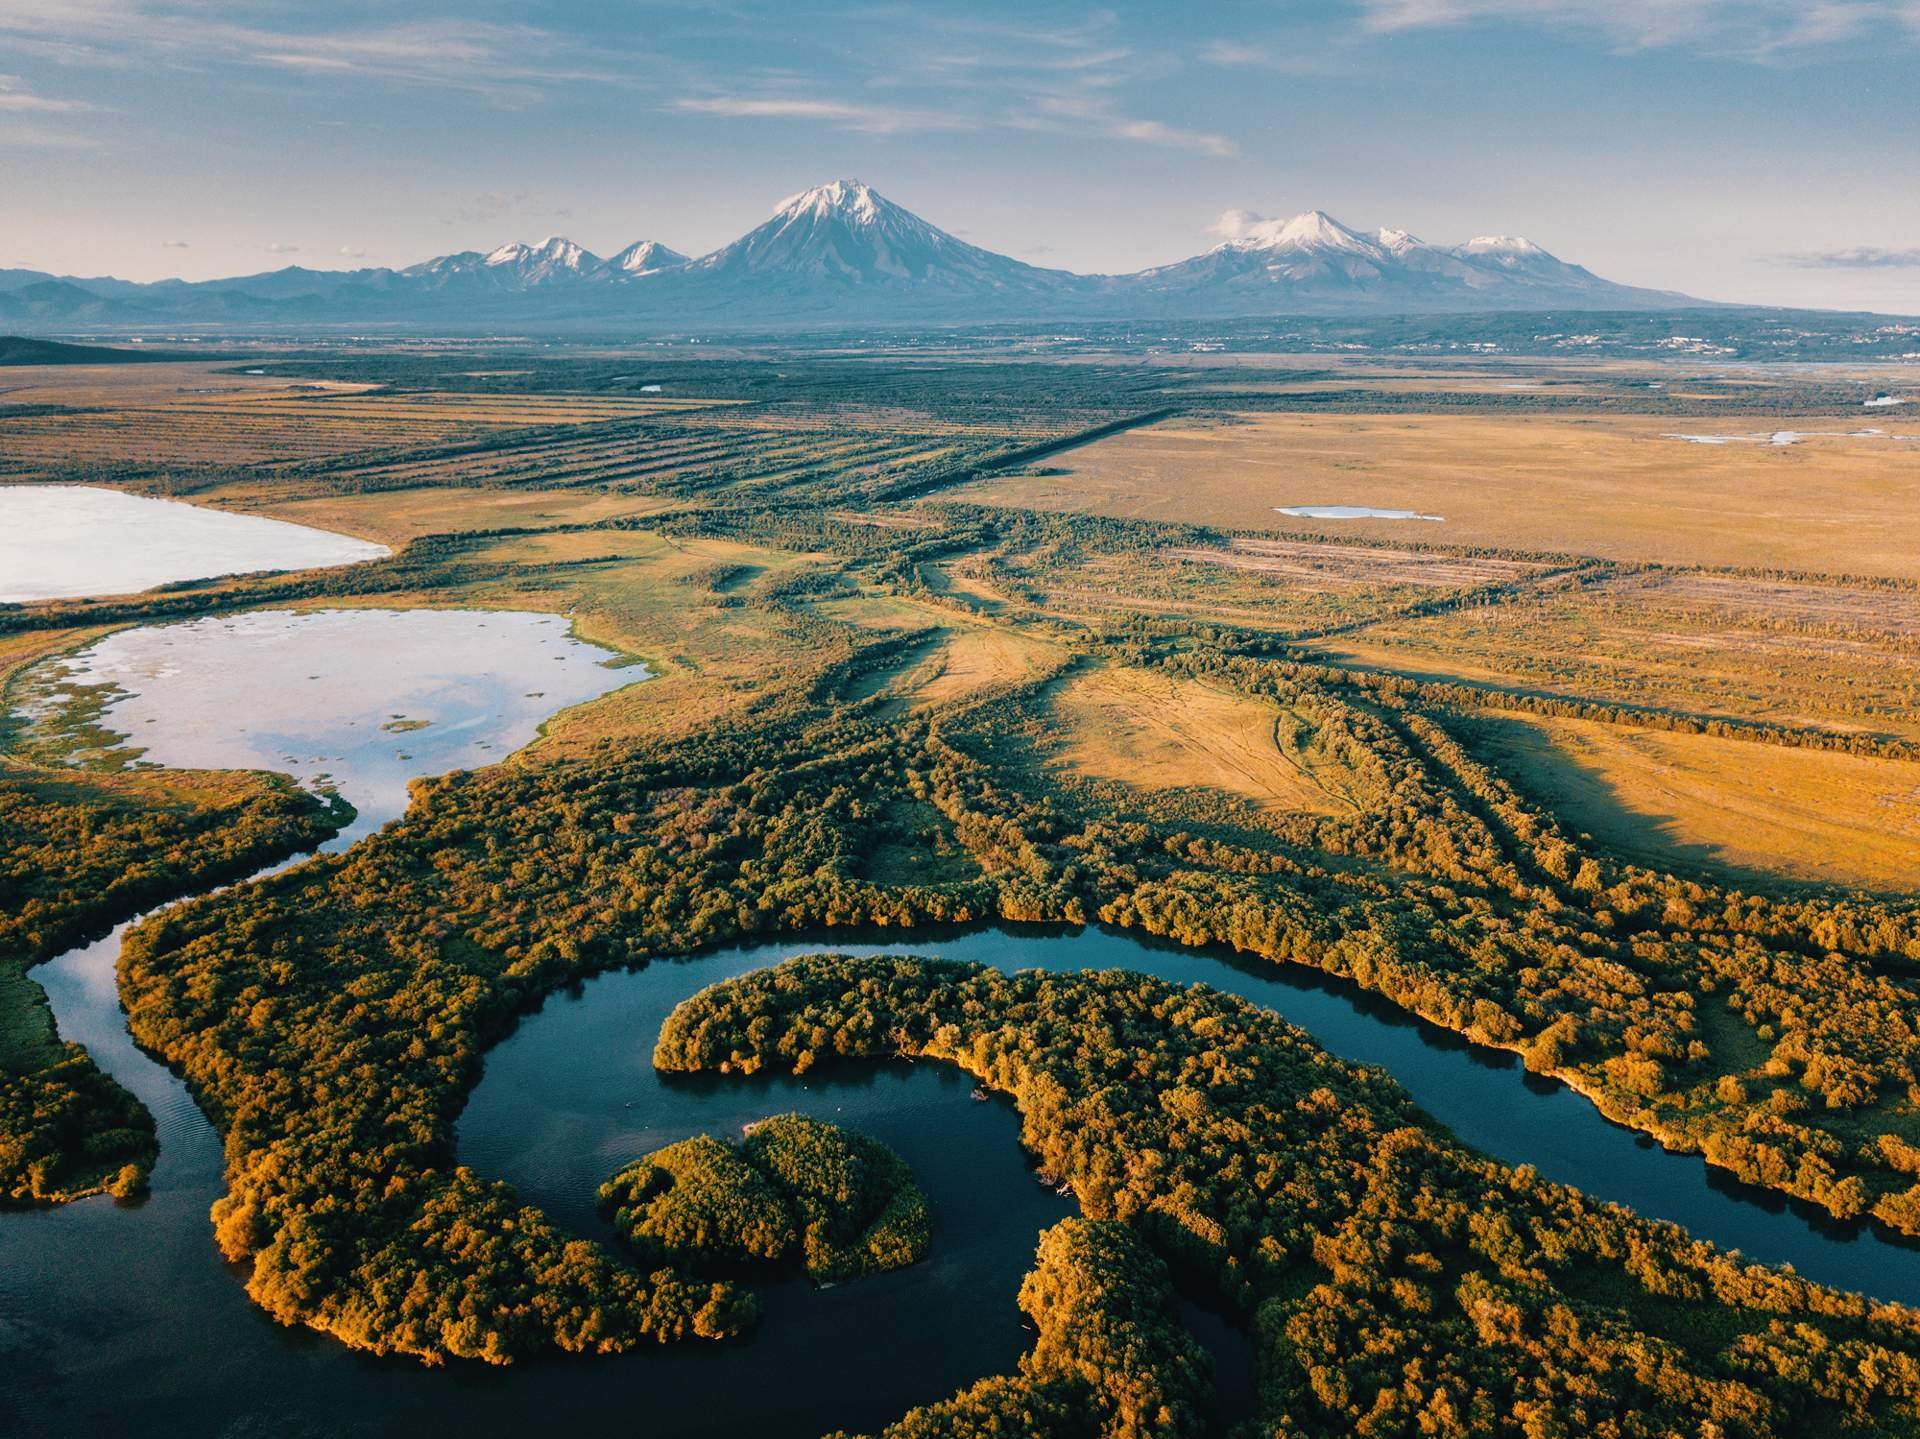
(1759, 150)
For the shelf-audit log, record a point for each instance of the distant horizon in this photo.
(1215, 240)
(148, 139)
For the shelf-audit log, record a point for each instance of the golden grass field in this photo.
(1610, 486)
(1832, 656)
(163, 382)
(1703, 801)
(1155, 731)
(197, 414)
(395, 516)
(962, 659)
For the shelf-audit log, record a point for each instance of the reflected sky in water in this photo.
(64, 541)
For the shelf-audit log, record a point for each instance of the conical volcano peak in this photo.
(644, 257)
(837, 199)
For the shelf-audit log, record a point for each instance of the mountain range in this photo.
(843, 255)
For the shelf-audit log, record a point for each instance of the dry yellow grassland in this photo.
(963, 660)
(393, 517)
(1835, 656)
(1723, 803)
(202, 417)
(164, 382)
(1611, 486)
(1156, 731)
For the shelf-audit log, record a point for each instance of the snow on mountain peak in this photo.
(1309, 230)
(845, 199)
(643, 257)
(554, 251)
(1501, 245)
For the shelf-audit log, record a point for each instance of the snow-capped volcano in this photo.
(1312, 263)
(843, 254)
(645, 257)
(1310, 232)
(514, 267)
(554, 257)
(846, 238)
(1499, 246)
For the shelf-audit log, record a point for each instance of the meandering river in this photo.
(123, 1316)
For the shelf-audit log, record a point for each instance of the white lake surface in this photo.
(360, 701)
(64, 541)
(1351, 512)
(1784, 437)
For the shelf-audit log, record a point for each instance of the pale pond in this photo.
(64, 541)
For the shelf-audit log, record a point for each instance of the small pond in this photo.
(1352, 512)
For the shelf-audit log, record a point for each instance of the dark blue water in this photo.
(1483, 1095)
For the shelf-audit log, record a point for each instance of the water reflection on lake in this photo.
(63, 541)
(361, 701)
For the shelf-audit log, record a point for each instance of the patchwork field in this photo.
(219, 423)
(1613, 486)
(1830, 655)
(648, 456)
(1701, 802)
(395, 516)
(1318, 566)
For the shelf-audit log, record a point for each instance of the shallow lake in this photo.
(362, 701)
(1351, 512)
(108, 1312)
(62, 541)
(1784, 437)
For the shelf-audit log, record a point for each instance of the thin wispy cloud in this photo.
(1277, 59)
(511, 63)
(1859, 257)
(867, 119)
(1094, 115)
(488, 205)
(1750, 29)
(39, 137)
(1073, 81)
(1153, 132)
(31, 121)
(16, 99)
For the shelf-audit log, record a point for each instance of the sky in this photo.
(1764, 151)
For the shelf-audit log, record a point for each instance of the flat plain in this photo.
(1609, 485)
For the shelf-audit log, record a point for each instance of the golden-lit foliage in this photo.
(1397, 1283)
(840, 1203)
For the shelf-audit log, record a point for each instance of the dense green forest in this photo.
(78, 854)
(798, 1189)
(1395, 1283)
